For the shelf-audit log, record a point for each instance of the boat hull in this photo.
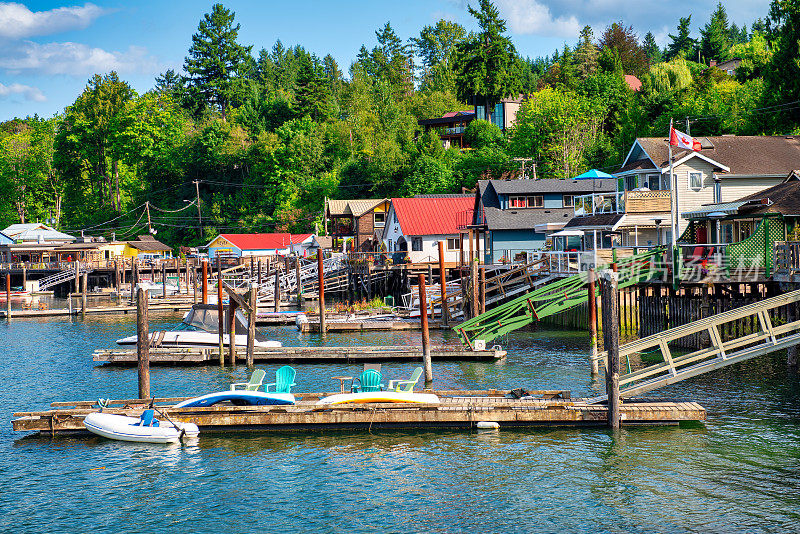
(380, 396)
(202, 340)
(123, 428)
(239, 398)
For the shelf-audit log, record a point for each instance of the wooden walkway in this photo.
(173, 356)
(122, 310)
(458, 410)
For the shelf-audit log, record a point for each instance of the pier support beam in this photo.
(205, 280)
(608, 288)
(276, 294)
(792, 353)
(8, 296)
(443, 282)
(84, 289)
(426, 339)
(142, 344)
(321, 277)
(220, 316)
(474, 282)
(592, 303)
(251, 323)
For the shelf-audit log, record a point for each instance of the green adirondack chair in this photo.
(255, 381)
(284, 380)
(369, 380)
(406, 386)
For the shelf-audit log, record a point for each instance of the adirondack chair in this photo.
(284, 380)
(406, 386)
(369, 380)
(255, 381)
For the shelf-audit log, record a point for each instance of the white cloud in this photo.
(74, 59)
(17, 21)
(30, 93)
(532, 17)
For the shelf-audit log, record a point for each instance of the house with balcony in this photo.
(515, 217)
(637, 213)
(414, 227)
(281, 244)
(356, 222)
(450, 127)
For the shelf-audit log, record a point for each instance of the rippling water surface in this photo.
(739, 472)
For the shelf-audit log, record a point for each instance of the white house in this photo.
(414, 227)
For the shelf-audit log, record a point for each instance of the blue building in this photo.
(517, 216)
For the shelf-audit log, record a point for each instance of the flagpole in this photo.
(673, 186)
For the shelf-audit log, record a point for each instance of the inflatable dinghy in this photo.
(144, 429)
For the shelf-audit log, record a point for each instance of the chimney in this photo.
(712, 63)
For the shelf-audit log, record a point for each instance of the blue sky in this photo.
(48, 50)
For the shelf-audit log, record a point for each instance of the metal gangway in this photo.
(762, 338)
(62, 276)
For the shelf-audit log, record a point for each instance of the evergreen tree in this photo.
(783, 71)
(313, 94)
(682, 45)
(216, 59)
(436, 47)
(487, 65)
(586, 54)
(651, 49)
(758, 26)
(631, 55)
(715, 36)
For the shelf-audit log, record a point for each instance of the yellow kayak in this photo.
(380, 396)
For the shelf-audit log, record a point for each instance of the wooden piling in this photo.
(443, 283)
(251, 323)
(471, 251)
(276, 295)
(220, 316)
(143, 344)
(164, 279)
(298, 281)
(610, 305)
(8, 295)
(474, 282)
(205, 280)
(232, 306)
(321, 276)
(259, 273)
(426, 339)
(117, 277)
(483, 290)
(592, 309)
(84, 289)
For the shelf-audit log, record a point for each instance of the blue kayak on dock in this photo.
(239, 398)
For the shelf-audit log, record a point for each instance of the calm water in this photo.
(738, 472)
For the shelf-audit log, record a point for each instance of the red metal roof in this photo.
(430, 216)
(264, 241)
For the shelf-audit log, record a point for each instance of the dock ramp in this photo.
(763, 337)
(554, 298)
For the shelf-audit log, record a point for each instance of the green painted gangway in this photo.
(554, 298)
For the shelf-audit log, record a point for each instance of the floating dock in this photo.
(457, 410)
(122, 310)
(354, 354)
(369, 326)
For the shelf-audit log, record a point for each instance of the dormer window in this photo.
(568, 201)
(529, 201)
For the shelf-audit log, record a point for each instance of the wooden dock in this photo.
(457, 410)
(122, 310)
(175, 356)
(366, 325)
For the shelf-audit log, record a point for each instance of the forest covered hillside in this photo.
(263, 136)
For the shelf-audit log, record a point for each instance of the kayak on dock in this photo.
(239, 398)
(380, 396)
(144, 429)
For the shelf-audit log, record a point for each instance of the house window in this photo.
(717, 191)
(653, 182)
(631, 182)
(416, 244)
(695, 180)
(517, 202)
(568, 201)
(536, 201)
(380, 219)
(391, 246)
(452, 243)
(745, 229)
(727, 233)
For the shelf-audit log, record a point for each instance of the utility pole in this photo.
(147, 209)
(325, 215)
(522, 164)
(199, 213)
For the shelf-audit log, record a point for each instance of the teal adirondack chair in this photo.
(406, 386)
(369, 380)
(255, 381)
(284, 380)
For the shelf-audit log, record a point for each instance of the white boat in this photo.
(380, 396)
(123, 428)
(199, 330)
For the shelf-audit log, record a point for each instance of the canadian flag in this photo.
(682, 140)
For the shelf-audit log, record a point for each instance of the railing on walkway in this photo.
(759, 340)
